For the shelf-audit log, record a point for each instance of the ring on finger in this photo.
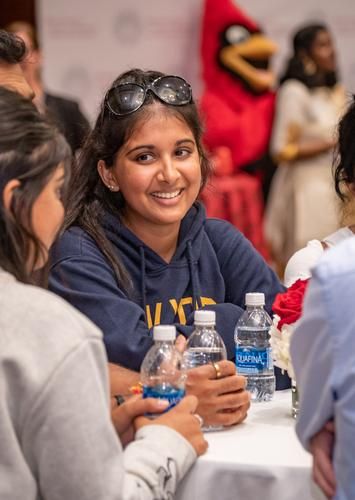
(199, 418)
(119, 399)
(217, 370)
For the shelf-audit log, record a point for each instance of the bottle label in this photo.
(253, 361)
(171, 394)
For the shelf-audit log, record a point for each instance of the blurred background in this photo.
(85, 44)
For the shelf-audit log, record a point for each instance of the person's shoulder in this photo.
(228, 242)
(73, 242)
(39, 331)
(218, 230)
(338, 236)
(293, 88)
(337, 262)
(45, 313)
(300, 264)
(215, 225)
(61, 101)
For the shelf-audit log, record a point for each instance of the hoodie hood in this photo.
(190, 234)
(146, 266)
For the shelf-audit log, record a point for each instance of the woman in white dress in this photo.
(302, 203)
(301, 263)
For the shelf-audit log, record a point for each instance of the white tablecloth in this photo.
(260, 459)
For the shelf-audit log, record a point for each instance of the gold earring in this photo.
(309, 66)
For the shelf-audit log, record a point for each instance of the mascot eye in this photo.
(236, 34)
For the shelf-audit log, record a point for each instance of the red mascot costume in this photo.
(237, 106)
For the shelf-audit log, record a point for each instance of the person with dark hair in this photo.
(138, 249)
(63, 112)
(309, 104)
(12, 53)
(12, 48)
(57, 438)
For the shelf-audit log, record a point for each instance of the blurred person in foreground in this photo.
(323, 346)
(63, 112)
(322, 351)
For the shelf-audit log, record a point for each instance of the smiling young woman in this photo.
(138, 249)
(158, 173)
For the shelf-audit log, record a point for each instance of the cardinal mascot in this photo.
(237, 106)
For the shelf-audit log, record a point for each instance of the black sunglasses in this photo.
(126, 98)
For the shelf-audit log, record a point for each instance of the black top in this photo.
(68, 117)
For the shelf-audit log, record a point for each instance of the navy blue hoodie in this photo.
(214, 266)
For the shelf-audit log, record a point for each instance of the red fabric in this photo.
(238, 199)
(234, 117)
(238, 127)
(217, 16)
(245, 131)
(289, 305)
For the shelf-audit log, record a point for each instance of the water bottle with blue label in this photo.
(163, 372)
(252, 348)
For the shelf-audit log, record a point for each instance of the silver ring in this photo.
(199, 418)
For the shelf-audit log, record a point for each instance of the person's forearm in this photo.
(121, 379)
(314, 148)
(294, 151)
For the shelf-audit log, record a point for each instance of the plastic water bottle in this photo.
(204, 345)
(253, 352)
(163, 372)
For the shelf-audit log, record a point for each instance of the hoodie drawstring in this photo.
(194, 279)
(143, 275)
(196, 303)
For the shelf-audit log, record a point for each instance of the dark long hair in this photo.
(302, 43)
(344, 165)
(30, 151)
(88, 197)
(12, 48)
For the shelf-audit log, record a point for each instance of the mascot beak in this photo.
(257, 46)
(249, 58)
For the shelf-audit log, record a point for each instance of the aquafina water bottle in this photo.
(204, 345)
(253, 352)
(163, 372)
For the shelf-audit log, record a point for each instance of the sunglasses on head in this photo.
(126, 98)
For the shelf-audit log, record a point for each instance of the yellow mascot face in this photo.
(247, 54)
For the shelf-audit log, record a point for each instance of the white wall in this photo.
(87, 43)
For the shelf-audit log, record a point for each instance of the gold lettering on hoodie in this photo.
(178, 308)
(157, 315)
